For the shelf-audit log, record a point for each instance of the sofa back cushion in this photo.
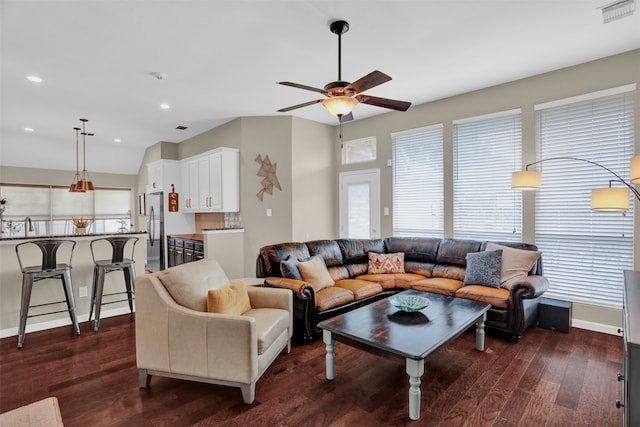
(269, 257)
(330, 252)
(189, 284)
(419, 252)
(355, 254)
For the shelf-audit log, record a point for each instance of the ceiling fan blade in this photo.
(372, 79)
(305, 87)
(346, 118)
(384, 102)
(293, 107)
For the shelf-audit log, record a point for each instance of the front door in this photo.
(360, 204)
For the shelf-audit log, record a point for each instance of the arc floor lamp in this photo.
(607, 199)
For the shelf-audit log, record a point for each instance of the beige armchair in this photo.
(176, 341)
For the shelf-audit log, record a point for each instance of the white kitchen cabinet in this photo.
(161, 174)
(214, 182)
(189, 178)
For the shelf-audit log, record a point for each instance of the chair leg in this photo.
(144, 379)
(71, 301)
(93, 291)
(129, 274)
(248, 392)
(101, 273)
(27, 285)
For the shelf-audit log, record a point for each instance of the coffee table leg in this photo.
(330, 357)
(415, 369)
(480, 333)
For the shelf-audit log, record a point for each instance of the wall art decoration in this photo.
(268, 172)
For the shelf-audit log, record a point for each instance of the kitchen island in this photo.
(43, 292)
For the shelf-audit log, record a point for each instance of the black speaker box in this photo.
(555, 314)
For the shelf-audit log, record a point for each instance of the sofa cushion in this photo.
(497, 297)
(270, 323)
(483, 268)
(360, 288)
(386, 263)
(418, 249)
(289, 268)
(516, 263)
(232, 299)
(333, 297)
(315, 272)
(189, 284)
(454, 251)
(392, 280)
(438, 285)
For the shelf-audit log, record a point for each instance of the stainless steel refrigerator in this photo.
(155, 228)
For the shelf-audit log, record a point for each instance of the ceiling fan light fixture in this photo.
(340, 105)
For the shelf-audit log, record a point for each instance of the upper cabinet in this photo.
(161, 174)
(211, 181)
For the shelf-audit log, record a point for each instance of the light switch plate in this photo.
(269, 212)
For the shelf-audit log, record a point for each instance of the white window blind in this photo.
(487, 150)
(418, 194)
(584, 251)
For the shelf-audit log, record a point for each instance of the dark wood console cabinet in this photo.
(181, 250)
(630, 376)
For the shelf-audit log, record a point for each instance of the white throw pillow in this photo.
(516, 263)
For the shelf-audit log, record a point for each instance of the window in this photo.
(487, 150)
(418, 195)
(584, 251)
(359, 150)
(51, 209)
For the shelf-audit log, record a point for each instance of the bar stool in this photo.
(118, 262)
(48, 269)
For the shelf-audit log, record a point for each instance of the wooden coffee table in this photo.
(413, 336)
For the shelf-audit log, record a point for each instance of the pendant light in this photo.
(85, 183)
(73, 188)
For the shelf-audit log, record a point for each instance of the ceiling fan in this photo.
(342, 96)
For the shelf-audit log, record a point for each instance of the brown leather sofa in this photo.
(431, 265)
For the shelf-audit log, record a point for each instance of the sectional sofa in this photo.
(425, 264)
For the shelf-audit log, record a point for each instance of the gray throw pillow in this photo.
(289, 268)
(483, 268)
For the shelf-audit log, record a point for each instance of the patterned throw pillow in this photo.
(483, 268)
(386, 263)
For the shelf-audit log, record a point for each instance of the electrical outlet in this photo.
(83, 292)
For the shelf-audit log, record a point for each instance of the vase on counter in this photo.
(81, 230)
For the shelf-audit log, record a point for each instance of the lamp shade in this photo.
(525, 180)
(340, 105)
(635, 170)
(610, 199)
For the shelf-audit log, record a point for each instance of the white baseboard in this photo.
(13, 332)
(596, 327)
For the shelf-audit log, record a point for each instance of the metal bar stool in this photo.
(48, 269)
(118, 262)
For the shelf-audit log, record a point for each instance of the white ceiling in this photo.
(222, 60)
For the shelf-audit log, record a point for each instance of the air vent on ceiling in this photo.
(617, 10)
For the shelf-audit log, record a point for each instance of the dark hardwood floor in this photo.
(548, 379)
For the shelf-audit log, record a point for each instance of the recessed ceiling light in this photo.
(117, 140)
(165, 106)
(28, 129)
(34, 79)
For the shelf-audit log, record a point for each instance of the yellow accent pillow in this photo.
(315, 272)
(232, 299)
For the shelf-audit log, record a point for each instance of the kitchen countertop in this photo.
(194, 236)
(70, 236)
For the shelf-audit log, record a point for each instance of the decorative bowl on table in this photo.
(409, 303)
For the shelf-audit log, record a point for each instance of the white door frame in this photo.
(371, 176)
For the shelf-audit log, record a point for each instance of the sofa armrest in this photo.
(530, 287)
(300, 288)
(270, 298)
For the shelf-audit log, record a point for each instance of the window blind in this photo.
(487, 150)
(418, 194)
(584, 251)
